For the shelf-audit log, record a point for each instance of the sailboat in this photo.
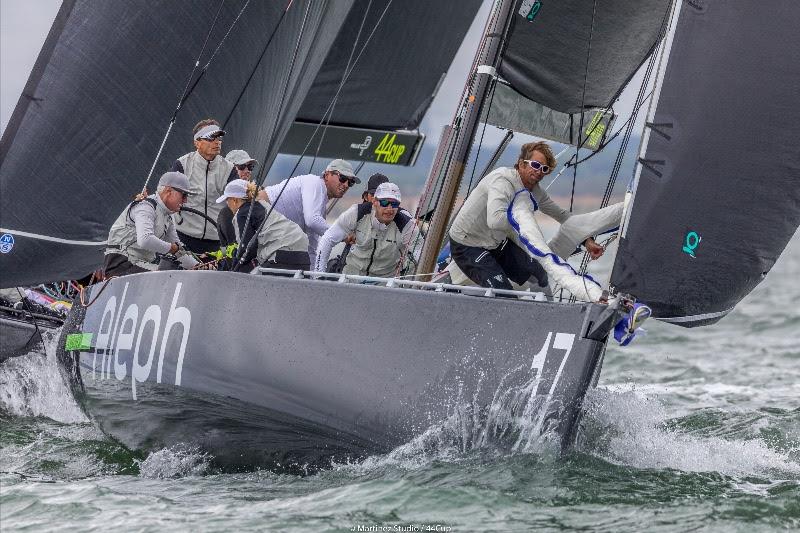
(260, 369)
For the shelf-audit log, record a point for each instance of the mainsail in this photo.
(717, 196)
(96, 107)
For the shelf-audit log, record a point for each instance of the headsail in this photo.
(717, 195)
(546, 58)
(97, 104)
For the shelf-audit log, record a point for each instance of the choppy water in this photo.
(689, 430)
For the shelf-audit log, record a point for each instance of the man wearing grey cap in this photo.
(145, 228)
(302, 199)
(208, 172)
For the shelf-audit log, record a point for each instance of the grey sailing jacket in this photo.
(207, 180)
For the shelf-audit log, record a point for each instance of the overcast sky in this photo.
(23, 29)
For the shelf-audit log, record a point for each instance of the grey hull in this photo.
(264, 370)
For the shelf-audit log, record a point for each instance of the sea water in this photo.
(688, 430)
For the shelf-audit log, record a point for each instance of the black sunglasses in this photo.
(246, 166)
(394, 204)
(344, 179)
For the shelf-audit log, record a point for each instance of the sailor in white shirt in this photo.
(302, 199)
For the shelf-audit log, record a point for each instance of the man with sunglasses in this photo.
(145, 228)
(302, 199)
(382, 231)
(486, 242)
(208, 173)
(243, 165)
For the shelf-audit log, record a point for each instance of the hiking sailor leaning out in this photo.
(304, 198)
(281, 242)
(208, 173)
(382, 233)
(495, 238)
(145, 228)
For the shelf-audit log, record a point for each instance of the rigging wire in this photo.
(258, 63)
(262, 174)
(583, 102)
(658, 51)
(327, 117)
(346, 77)
(242, 250)
(188, 90)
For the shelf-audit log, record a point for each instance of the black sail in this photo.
(718, 194)
(546, 57)
(404, 50)
(93, 114)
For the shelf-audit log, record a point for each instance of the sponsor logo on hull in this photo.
(124, 329)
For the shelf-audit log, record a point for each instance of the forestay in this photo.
(717, 196)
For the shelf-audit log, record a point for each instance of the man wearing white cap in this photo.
(208, 172)
(145, 228)
(382, 230)
(281, 242)
(302, 199)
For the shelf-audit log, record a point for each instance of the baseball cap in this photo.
(210, 132)
(234, 189)
(388, 191)
(374, 181)
(239, 157)
(342, 167)
(176, 180)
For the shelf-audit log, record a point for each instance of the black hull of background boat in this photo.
(20, 332)
(273, 371)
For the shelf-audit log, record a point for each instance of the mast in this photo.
(464, 126)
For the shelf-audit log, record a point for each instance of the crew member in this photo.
(145, 228)
(208, 172)
(372, 184)
(495, 238)
(281, 242)
(244, 165)
(302, 199)
(382, 230)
